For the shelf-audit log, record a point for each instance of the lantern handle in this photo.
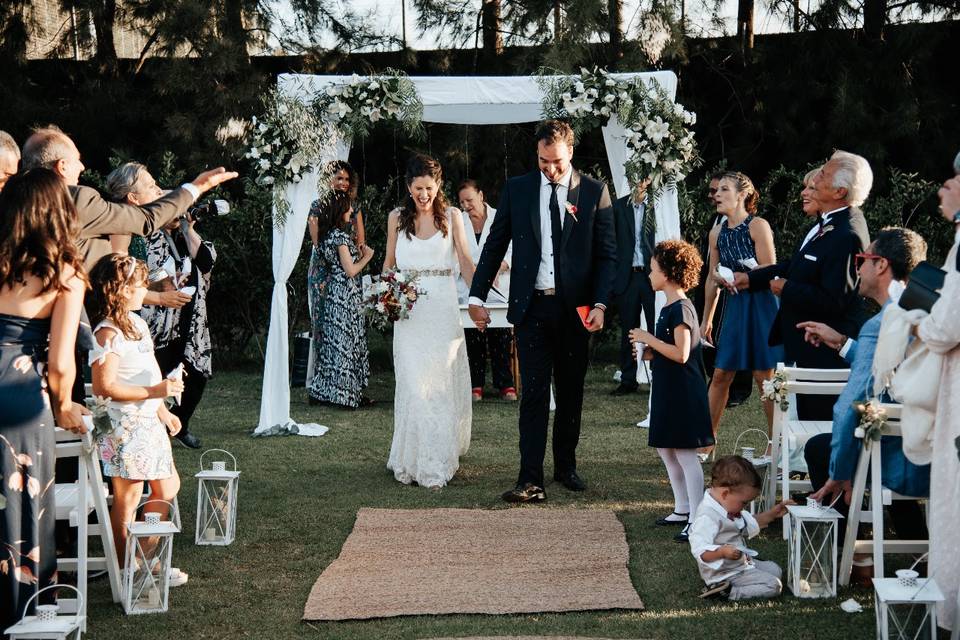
(76, 615)
(222, 451)
(736, 443)
(169, 504)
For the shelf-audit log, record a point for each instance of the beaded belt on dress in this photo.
(434, 272)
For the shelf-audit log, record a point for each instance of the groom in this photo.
(564, 257)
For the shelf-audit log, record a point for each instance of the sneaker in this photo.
(477, 394)
(509, 394)
(718, 590)
(177, 578)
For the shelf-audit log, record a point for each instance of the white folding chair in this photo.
(870, 461)
(75, 502)
(790, 433)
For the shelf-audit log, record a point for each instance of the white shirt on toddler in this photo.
(711, 529)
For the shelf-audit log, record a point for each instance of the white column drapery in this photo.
(476, 100)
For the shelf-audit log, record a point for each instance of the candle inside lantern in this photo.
(210, 533)
(152, 518)
(219, 465)
(747, 452)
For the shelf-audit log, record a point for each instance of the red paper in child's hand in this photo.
(583, 312)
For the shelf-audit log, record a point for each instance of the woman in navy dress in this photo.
(741, 243)
(41, 293)
(679, 413)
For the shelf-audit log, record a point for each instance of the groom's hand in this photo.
(595, 320)
(480, 316)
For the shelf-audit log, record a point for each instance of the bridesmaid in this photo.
(741, 242)
(41, 293)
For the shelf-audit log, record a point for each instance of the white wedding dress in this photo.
(432, 403)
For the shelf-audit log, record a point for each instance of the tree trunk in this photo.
(492, 40)
(796, 16)
(745, 24)
(874, 18)
(557, 24)
(104, 15)
(615, 9)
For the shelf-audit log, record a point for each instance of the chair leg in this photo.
(771, 486)
(106, 531)
(785, 484)
(876, 507)
(853, 518)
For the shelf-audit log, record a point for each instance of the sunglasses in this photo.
(860, 258)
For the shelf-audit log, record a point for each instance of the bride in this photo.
(432, 405)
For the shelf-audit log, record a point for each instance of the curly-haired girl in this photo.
(126, 372)
(679, 413)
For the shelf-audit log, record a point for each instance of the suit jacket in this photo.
(899, 474)
(626, 240)
(99, 218)
(821, 285)
(587, 259)
(476, 248)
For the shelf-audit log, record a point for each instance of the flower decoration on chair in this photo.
(355, 106)
(102, 424)
(391, 296)
(659, 138)
(287, 142)
(873, 418)
(775, 390)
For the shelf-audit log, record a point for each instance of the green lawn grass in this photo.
(299, 498)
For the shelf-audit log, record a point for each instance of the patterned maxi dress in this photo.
(27, 548)
(342, 366)
(316, 294)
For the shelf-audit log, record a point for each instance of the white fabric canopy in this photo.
(474, 100)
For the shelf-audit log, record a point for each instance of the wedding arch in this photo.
(474, 100)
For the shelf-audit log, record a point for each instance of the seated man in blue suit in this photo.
(832, 457)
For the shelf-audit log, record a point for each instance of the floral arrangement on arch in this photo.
(873, 418)
(355, 106)
(775, 389)
(286, 142)
(660, 139)
(391, 296)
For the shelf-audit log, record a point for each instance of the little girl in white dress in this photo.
(125, 371)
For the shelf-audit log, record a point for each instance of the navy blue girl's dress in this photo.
(747, 317)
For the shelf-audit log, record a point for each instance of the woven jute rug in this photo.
(442, 561)
(523, 638)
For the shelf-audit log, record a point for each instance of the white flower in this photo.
(375, 114)
(266, 148)
(593, 92)
(566, 96)
(294, 166)
(391, 108)
(381, 287)
(678, 109)
(657, 130)
(339, 109)
(381, 308)
(624, 95)
(282, 109)
(264, 164)
(609, 98)
(649, 157)
(670, 166)
(296, 178)
(610, 82)
(401, 277)
(261, 127)
(373, 86)
(267, 180)
(578, 87)
(253, 153)
(334, 90)
(605, 111)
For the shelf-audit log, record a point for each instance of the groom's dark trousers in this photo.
(551, 340)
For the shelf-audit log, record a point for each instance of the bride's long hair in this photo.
(423, 166)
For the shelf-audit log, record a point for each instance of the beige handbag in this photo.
(916, 385)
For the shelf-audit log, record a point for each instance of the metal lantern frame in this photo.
(896, 605)
(148, 578)
(217, 502)
(66, 627)
(813, 534)
(763, 464)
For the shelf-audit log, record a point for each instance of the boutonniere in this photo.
(572, 210)
(826, 229)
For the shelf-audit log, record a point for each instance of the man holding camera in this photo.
(180, 262)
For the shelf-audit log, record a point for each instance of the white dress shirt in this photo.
(711, 529)
(475, 247)
(816, 228)
(639, 210)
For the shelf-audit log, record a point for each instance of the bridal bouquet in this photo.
(391, 296)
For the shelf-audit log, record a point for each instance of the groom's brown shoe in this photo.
(523, 493)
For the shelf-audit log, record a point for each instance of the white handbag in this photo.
(916, 385)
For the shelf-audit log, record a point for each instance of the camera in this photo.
(208, 209)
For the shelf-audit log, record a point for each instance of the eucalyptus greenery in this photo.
(353, 107)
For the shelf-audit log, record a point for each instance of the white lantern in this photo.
(46, 623)
(762, 463)
(906, 606)
(146, 576)
(812, 555)
(217, 501)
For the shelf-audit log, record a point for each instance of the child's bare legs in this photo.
(718, 394)
(166, 490)
(126, 499)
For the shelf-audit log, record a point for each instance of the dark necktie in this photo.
(556, 232)
(648, 233)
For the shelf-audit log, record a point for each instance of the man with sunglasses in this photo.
(832, 457)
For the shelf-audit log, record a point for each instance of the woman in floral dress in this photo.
(41, 293)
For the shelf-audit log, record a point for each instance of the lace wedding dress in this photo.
(432, 404)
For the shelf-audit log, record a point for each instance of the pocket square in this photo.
(810, 257)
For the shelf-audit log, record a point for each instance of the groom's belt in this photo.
(544, 292)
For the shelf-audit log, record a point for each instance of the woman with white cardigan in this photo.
(492, 343)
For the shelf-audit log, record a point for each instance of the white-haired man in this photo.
(9, 157)
(819, 281)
